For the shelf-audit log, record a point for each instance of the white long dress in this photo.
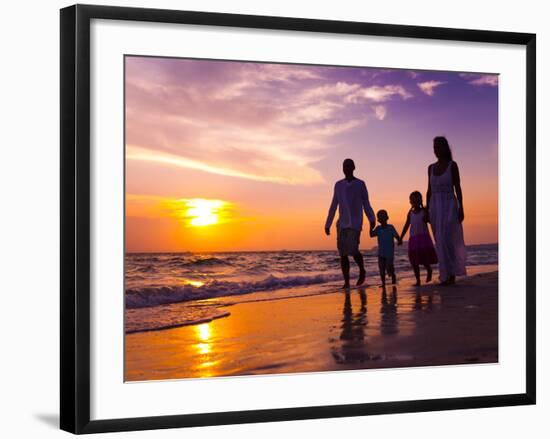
(447, 230)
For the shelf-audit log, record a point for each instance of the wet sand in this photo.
(366, 328)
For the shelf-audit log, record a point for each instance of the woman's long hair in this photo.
(442, 149)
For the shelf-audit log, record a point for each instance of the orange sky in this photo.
(241, 156)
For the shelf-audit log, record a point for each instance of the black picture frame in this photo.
(75, 217)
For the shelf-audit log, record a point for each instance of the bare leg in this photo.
(416, 269)
(391, 272)
(344, 263)
(382, 269)
(358, 257)
(429, 275)
(450, 280)
(363, 297)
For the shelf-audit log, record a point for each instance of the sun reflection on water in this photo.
(203, 333)
(206, 361)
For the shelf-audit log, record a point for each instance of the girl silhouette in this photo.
(421, 248)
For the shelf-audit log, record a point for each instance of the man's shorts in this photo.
(347, 241)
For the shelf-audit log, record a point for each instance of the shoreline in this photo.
(360, 329)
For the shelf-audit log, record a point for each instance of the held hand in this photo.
(371, 225)
(460, 214)
(399, 241)
(327, 231)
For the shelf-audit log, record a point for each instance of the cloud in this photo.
(264, 122)
(377, 93)
(267, 74)
(287, 175)
(480, 80)
(316, 112)
(380, 112)
(284, 72)
(428, 87)
(339, 127)
(331, 90)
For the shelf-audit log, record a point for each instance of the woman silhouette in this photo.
(446, 212)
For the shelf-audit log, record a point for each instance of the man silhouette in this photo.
(351, 198)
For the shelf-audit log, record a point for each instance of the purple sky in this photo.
(270, 139)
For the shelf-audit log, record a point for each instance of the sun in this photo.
(201, 212)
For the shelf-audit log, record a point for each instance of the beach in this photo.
(319, 328)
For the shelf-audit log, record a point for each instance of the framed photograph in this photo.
(268, 218)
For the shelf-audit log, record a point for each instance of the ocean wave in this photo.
(155, 296)
(172, 316)
(206, 262)
(146, 269)
(142, 257)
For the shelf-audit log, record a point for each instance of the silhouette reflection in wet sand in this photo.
(420, 303)
(353, 347)
(360, 333)
(376, 336)
(388, 313)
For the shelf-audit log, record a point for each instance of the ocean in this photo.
(165, 290)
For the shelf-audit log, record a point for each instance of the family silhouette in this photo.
(444, 211)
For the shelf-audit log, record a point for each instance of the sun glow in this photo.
(201, 212)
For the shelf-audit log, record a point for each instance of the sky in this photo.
(240, 156)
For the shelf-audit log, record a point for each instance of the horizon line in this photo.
(269, 251)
